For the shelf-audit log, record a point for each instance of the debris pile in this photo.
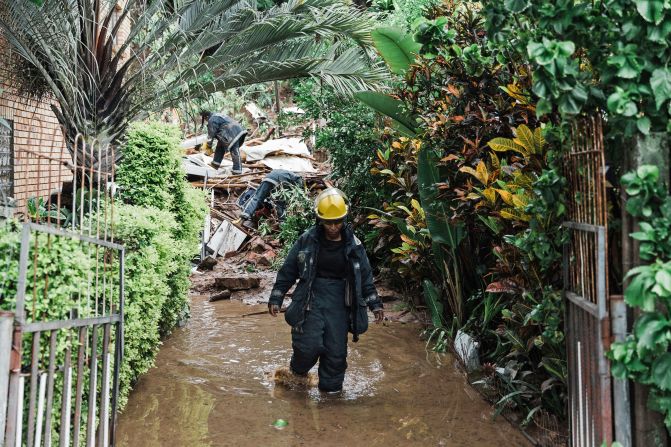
(225, 234)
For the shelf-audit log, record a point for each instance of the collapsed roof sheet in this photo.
(280, 146)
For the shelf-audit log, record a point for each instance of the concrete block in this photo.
(467, 349)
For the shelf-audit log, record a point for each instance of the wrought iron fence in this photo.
(67, 342)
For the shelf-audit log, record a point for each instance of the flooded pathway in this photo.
(211, 387)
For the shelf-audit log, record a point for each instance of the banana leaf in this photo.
(432, 298)
(445, 236)
(397, 48)
(391, 107)
(437, 211)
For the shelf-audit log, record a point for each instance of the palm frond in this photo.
(180, 48)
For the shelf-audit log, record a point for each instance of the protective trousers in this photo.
(221, 149)
(324, 335)
(262, 193)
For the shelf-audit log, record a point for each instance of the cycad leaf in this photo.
(180, 49)
(397, 48)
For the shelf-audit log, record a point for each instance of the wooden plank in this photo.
(225, 186)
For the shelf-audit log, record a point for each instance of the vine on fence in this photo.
(611, 54)
(644, 355)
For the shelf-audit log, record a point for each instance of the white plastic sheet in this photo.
(280, 146)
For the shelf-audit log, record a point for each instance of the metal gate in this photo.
(67, 341)
(587, 322)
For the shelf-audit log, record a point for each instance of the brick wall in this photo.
(35, 129)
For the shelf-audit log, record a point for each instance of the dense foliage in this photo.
(153, 261)
(151, 176)
(644, 356)
(609, 54)
(351, 136)
(62, 268)
(475, 205)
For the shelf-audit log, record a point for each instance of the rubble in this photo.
(255, 113)
(234, 283)
(224, 235)
(258, 245)
(225, 295)
(226, 238)
(199, 165)
(264, 259)
(291, 154)
(208, 263)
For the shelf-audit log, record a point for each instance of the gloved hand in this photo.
(207, 148)
(273, 309)
(379, 315)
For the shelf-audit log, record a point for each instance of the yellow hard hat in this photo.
(331, 204)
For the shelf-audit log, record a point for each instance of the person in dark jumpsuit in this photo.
(334, 292)
(275, 178)
(230, 136)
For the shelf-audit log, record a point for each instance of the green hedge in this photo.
(152, 256)
(151, 175)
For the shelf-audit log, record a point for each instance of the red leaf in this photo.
(503, 286)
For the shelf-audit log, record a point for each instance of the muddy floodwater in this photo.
(211, 387)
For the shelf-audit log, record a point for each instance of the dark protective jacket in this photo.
(301, 265)
(278, 176)
(225, 129)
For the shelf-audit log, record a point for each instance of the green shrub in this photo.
(58, 273)
(151, 175)
(63, 260)
(160, 231)
(298, 217)
(147, 172)
(151, 257)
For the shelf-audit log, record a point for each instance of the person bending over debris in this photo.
(335, 288)
(275, 178)
(229, 134)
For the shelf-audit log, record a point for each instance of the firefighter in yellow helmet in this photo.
(334, 293)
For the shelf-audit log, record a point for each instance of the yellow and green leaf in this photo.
(513, 214)
(489, 194)
(525, 138)
(496, 163)
(505, 145)
(506, 196)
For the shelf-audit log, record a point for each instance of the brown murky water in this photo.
(211, 387)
